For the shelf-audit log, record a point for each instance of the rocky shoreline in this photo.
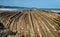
(29, 23)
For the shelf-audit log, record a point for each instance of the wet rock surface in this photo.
(5, 32)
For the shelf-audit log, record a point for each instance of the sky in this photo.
(32, 3)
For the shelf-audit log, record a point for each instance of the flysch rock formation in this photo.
(32, 23)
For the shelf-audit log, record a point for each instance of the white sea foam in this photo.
(56, 11)
(6, 9)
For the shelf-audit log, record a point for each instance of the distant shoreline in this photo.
(10, 9)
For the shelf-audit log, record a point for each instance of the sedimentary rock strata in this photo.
(32, 23)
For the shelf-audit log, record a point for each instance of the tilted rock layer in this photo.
(32, 23)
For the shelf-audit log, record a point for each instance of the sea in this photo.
(26, 8)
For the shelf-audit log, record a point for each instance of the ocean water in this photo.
(26, 8)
